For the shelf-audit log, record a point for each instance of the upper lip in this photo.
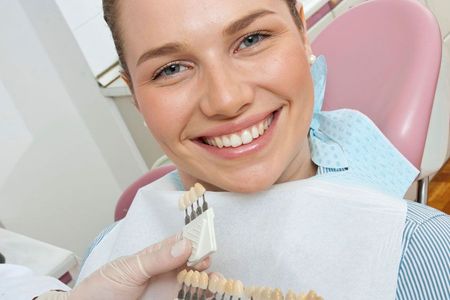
(235, 126)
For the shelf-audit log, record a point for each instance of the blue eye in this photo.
(252, 40)
(170, 70)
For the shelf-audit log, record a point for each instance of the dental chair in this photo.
(383, 59)
(127, 196)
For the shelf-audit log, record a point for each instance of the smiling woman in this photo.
(224, 87)
(233, 94)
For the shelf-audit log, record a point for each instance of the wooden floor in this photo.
(439, 192)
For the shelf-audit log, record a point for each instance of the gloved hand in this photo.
(127, 277)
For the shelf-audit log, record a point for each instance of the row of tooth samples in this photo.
(265, 293)
(189, 198)
(195, 285)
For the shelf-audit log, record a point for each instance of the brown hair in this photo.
(111, 16)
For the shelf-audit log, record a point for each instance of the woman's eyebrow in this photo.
(169, 48)
(245, 21)
(236, 26)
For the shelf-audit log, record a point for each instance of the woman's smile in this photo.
(235, 143)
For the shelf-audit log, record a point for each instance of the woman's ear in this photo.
(125, 77)
(301, 14)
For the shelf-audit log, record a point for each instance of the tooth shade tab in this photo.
(290, 295)
(238, 288)
(192, 196)
(188, 278)
(204, 280)
(196, 279)
(257, 294)
(213, 282)
(266, 294)
(229, 287)
(277, 295)
(199, 189)
(249, 291)
(181, 205)
(186, 199)
(221, 286)
(181, 276)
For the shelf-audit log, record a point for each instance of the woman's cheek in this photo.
(164, 115)
(281, 75)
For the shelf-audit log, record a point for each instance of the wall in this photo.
(85, 19)
(66, 154)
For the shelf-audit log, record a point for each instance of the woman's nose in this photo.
(227, 94)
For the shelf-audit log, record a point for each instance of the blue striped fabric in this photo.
(424, 271)
(97, 241)
(322, 170)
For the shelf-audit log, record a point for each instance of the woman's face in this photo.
(224, 87)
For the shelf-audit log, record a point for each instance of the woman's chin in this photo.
(237, 179)
(249, 185)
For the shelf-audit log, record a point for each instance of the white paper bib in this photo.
(343, 242)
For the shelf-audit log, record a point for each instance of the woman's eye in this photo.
(252, 40)
(170, 70)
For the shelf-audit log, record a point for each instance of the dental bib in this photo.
(340, 240)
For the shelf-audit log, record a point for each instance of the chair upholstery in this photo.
(127, 196)
(384, 59)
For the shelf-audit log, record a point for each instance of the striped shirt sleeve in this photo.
(97, 241)
(424, 271)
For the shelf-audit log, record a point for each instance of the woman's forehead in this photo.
(162, 21)
(159, 10)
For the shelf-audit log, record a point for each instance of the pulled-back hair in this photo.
(111, 15)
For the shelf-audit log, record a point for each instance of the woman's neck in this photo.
(301, 167)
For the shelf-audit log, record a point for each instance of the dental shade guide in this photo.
(199, 229)
(228, 289)
(199, 225)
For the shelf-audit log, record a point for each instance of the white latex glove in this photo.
(127, 277)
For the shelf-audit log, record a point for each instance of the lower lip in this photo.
(244, 150)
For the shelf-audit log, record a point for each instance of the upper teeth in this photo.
(242, 137)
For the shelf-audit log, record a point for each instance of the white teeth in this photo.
(241, 138)
(226, 141)
(261, 128)
(255, 132)
(236, 141)
(246, 137)
(219, 142)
